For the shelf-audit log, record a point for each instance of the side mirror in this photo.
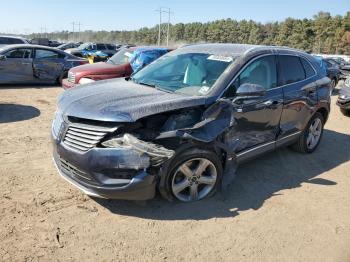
(2, 57)
(250, 90)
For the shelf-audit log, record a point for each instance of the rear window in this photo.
(309, 71)
(47, 54)
(10, 41)
(291, 70)
(15, 41)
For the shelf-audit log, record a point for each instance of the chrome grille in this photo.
(84, 137)
(72, 170)
(71, 77)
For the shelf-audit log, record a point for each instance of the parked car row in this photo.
(122, 64)
(182, 124)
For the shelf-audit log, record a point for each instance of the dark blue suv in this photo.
(185, 122)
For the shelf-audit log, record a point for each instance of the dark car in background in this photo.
(69, 45)
(89, 48)
(35, 64)
(344, 67)
(183, 123)
(333, 72)
(12, 40)
(344, 97)
(117, 66)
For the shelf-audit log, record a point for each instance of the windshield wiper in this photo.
(144, 84)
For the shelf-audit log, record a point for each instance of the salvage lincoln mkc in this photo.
(182, 124)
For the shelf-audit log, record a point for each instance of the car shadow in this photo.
(15, 112)
(24, 86)
(256, 182)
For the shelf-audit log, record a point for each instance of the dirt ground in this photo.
(284, 206)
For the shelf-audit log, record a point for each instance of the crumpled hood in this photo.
(119, 100)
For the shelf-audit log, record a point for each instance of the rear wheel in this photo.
(311, 136)
(333, 84)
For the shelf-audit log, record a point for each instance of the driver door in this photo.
(257, 118)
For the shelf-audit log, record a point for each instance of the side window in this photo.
(47, 54)
(309, 71)
(19, 53)
(291, 70)
(100, 46)
(261, 71)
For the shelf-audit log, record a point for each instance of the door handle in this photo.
(271, 103)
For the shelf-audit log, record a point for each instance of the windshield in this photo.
(190, 73)
(84, 46)
(121, 57)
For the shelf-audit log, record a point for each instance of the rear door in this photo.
(257, 120)
(48, 65)
(297, 77)
(17, 66)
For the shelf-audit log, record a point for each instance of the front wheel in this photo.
(311, 136)
(193, 175)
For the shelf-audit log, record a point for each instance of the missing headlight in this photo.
(157, 153)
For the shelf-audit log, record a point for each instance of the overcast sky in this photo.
(20, 16)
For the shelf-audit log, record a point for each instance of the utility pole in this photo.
(168, 31)
(79, 24)
(160, 24)
(42, 29)
(73, 23)
(160, 29)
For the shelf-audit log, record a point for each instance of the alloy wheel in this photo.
(194, 179)
(314, 135)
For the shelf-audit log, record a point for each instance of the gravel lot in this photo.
(284, 206)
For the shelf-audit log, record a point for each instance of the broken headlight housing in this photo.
(347, 82)
(157, 153)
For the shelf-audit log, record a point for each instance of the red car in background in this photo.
(117, 66)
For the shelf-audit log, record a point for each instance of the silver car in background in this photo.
(12, 40)
(35, 64)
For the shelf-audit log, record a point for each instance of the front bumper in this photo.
(343, 103)
(105, 172)
(66, 84)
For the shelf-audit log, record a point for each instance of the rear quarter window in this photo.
(291, 70)
(309, 71)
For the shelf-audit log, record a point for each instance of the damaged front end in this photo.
(128, 160)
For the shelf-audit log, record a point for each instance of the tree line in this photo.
(321, 34)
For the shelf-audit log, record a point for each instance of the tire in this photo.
(61, 77)
(345, 112)
(303, 145)
(333, 85)
(192, 158)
